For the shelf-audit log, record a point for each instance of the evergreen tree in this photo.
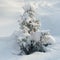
(29, 22)
(29, 25)
(30, 38)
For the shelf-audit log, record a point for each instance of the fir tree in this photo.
(31, 38)
(29, 21)
(29, 25)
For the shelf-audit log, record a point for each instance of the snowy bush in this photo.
(29, 46)
(47, 39)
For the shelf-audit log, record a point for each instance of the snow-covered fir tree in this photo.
(29, 22)
(30, 38)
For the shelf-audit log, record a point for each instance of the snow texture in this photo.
(9, 51)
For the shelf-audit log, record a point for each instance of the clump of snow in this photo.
(35, 35)
(47, 38)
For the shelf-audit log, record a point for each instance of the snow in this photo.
(48, 39)
(9, 50)
(49, 16)
(35, 35)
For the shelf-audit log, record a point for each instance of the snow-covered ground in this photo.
(9, 50)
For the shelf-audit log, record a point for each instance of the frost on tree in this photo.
(29, 22)
(30, 38)
(46, 38)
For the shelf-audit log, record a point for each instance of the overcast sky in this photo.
(47, 10)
